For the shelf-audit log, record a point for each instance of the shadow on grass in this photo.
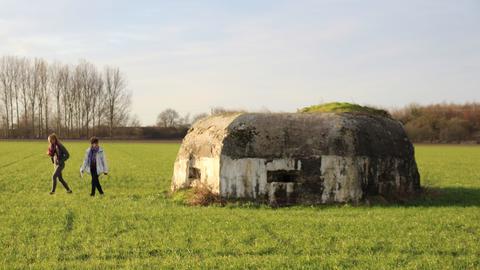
(447, 196)
(429, 197)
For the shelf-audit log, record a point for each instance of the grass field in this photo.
(136, 225)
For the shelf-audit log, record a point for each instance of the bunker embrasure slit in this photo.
(282, 176)
(194, 173)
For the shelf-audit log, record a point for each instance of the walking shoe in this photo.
(69, 191)
(52, 193)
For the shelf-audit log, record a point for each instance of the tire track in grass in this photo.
(276, 237)
(7, 153)
(17, 161)
(270, 233)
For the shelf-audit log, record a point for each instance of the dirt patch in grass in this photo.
(199, 195)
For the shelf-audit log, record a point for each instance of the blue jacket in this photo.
(102, 166)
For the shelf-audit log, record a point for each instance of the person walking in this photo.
(58, 154)
(95, 164)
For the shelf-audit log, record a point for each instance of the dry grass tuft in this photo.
(203, 195)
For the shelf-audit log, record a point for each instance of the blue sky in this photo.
(279, 55)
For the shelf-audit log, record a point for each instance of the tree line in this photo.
(37, 97)
(170, 118)
(441, 123)
(436, 123)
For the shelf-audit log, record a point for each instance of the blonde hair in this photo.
(53, 136)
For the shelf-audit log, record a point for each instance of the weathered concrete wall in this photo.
(299, 158)
(208, 173)
(201, 150)
(329, 179)
(247, 177)
(315, 134)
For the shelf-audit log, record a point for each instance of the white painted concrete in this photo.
(209, 173)
(341, 178)
(247, 177)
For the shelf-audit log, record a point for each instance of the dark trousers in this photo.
(57, 174)
(95, 181)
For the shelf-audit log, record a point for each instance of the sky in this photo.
(260, 54)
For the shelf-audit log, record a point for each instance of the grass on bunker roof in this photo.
(136, 225)
(344, 107)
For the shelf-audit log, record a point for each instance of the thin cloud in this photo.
(276, 54)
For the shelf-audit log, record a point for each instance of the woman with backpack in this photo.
(58, 154)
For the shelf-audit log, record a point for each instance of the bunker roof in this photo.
(272, 135)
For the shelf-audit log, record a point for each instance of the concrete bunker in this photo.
(305, 158)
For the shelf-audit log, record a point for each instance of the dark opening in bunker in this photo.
(282, 176)
(282, 187)
(193, 173)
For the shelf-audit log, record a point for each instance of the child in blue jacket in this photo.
(95, 164)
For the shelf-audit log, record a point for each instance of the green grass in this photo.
(137, 226)
(344, 107)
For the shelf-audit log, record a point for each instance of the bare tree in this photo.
(134, 121)
(116, 97)
(68, 99)
(5, 87)
(3, 130)
(183, 121)
(87, 82)
(101, 106)
(33, 93)
(15, 66)
(76, 92)
(97, 96)
(40, 82)
(221, 110)
(12, 77)
(8, 77)
(25, 85)
(83, 99)
(168, 118)
(198, 117)
(56, 73)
